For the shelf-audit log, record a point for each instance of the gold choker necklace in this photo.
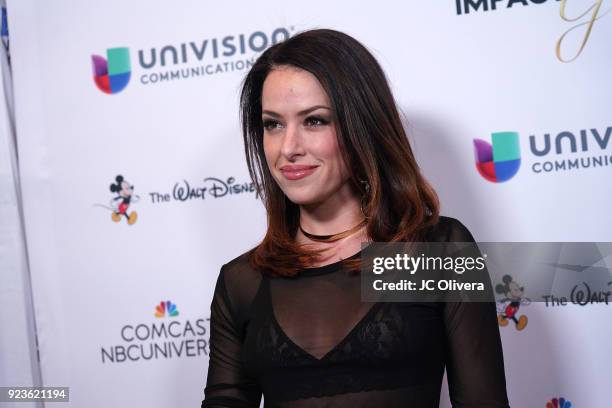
(333, 237)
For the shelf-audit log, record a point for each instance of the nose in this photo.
(292, 142)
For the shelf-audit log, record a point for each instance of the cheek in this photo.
(270, 151)
(329, 150)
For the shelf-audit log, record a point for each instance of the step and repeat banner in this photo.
(136, 191)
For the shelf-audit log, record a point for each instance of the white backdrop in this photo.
(457, 73)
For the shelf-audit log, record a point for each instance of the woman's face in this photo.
(299, 139)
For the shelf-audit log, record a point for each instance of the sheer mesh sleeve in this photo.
(475, 366)
(227, 384)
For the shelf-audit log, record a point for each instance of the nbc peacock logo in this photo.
(500, 160)
(166, 308)
(558, 403)
(112, 74)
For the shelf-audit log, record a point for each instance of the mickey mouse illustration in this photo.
(121, 203)
(509, 306)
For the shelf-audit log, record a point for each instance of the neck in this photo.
(337, 214)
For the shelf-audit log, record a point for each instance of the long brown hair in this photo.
(400, 203)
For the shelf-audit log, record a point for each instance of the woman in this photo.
(327, 150)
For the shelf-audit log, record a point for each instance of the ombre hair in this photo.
(400, 204)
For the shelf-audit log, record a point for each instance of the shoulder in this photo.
(238, 264)
(238, 271)
(448, 229)
(240, 281)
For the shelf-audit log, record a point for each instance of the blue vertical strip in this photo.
(4, 31)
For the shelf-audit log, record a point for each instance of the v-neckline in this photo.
(332, 350)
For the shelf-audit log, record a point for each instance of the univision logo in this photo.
(500, 160)
(567, 151)
(112, 74)
(186, 60)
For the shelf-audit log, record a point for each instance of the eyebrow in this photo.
(300, 113)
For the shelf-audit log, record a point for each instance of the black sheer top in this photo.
(309, 341)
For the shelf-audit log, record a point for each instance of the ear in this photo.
(114, 188)
(119, 179)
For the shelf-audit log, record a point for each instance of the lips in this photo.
(297, 171)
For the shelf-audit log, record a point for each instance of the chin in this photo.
(301, 200)
(303, 197)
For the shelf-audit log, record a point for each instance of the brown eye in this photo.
(316, 121)
(270, 124)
